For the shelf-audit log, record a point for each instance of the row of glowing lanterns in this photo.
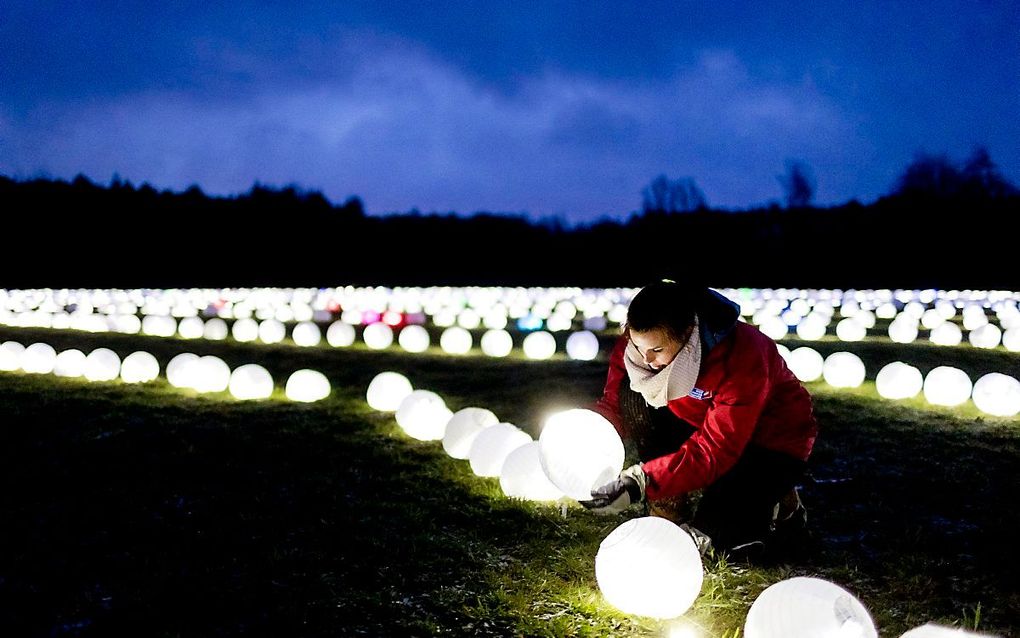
(578, 450)
(202, 374)
(993, 393)
(776, 312)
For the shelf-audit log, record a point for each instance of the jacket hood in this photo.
(717, 316)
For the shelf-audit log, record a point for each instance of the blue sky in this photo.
(550, 108)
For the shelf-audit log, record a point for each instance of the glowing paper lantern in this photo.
(580, 450)
(387, 391)
(774, 327)
(582, 346)
(178, 370)
(597, 322)
(806, 363)
(899, 380)
(340, 334)
(208, 374)
(784, 352)
(250, 381)
(306, 334)
(455, 340)
(808, 608)
(932, 318)
(903, 330)
(414, 339)
(272, 331)
(191, 328)
(10, 356)
(307, 386)
(39, 358)
(935, 631)
(850, 330)
(947, 386)
(1011, 340)
(812, 327)
(997, 394)
(245, 330)
(215, 329)
(522, 476)
(497, 343)
(139, 367)
(423, 415)
(69, 363)
(843, 370)
(159, 325)
(664, 555)
(102, 364)
(946, 333)
(492, 445)
(378, 336)
(986, 336)
(463, 427)
(539, 345)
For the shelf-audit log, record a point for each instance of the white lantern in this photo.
(932, 318)
(69, 363)
(215, 329)
(208, 374)
(899, 380)
(946, 333)
(497, 343)
(306, 334)
(934, 631)
(582, 346)
(423, 415)
(139, 367)
(843, 370)
(307, 386)
(580, 450)
(492, 445)
(469, 319)
(666, 558)
(387, 391)
(522, 476)
(997, 394)
(414, 339)
(850, 330)
(178, 372)
(102, 364)
(806, 363)
(784, 352)
(986, 336)
(245, 330)
(1011, 339)
(903, 329)
(378, 336)
(539, 345)
(39, 358)
(455, 340)
(947, 386)
(808, 608)
(596, 323)
(250, 381)
(159, 325)
(812, 327)
(463, 427)
(272, 331)
(340, 334)
(191, 328)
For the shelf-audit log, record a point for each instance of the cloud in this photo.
(400, 127)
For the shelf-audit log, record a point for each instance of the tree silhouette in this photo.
(798, 184)
(672, 196)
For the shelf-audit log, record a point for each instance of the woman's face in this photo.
(656, 346)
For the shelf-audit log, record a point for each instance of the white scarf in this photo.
(659, 387)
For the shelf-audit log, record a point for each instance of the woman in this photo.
(712, 407)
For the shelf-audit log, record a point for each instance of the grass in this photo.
(151, 511)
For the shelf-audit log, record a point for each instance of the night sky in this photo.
(550, 108)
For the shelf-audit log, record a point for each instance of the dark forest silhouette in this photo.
(942, 226)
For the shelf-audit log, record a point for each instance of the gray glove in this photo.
(620, 493)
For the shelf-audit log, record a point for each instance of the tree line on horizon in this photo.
(942, 226)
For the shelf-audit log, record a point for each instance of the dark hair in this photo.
(665, 304)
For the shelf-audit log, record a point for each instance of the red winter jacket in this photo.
(745, 393)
